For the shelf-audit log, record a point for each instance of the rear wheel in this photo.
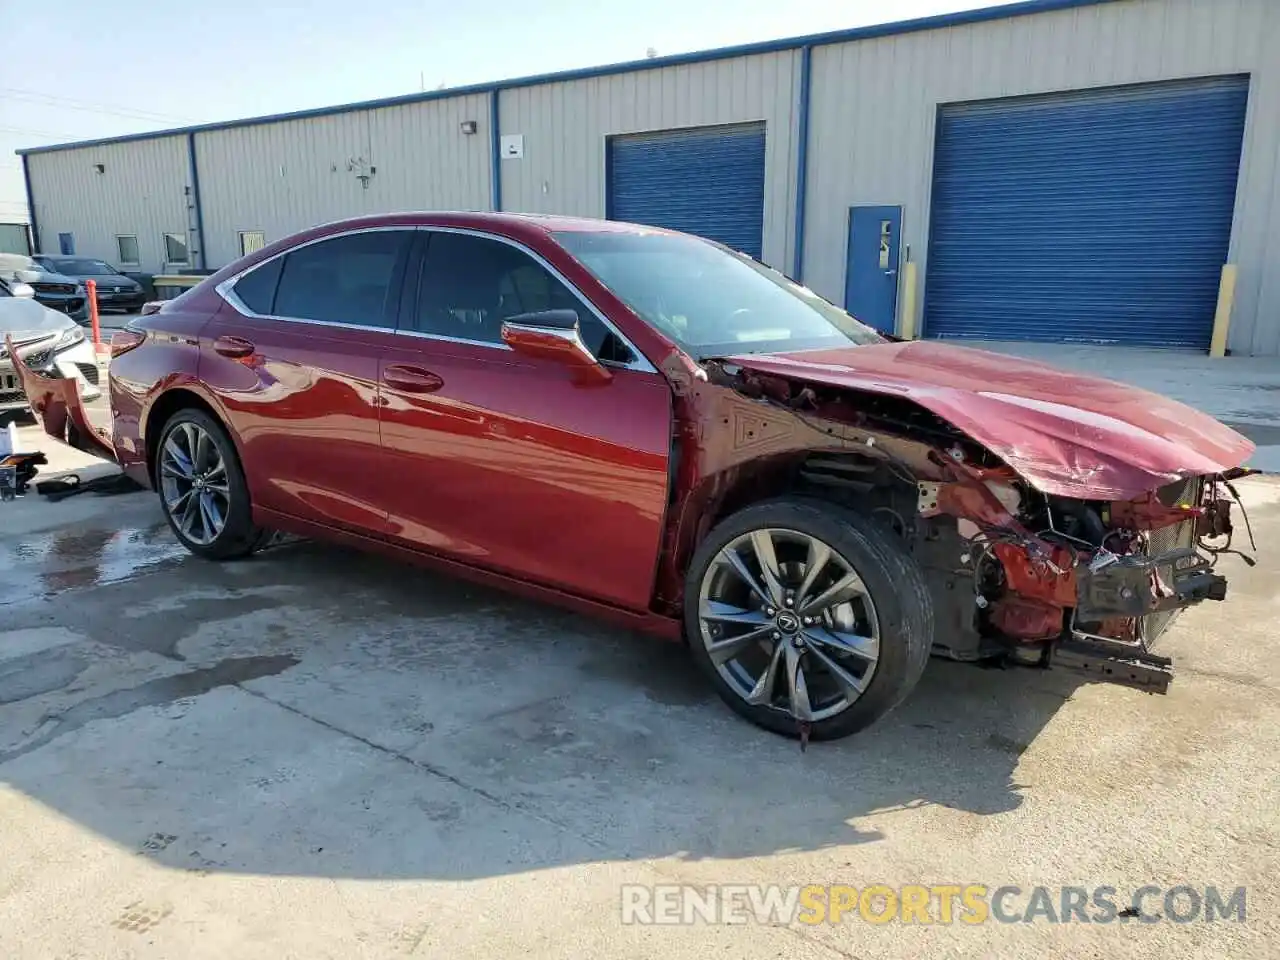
(806, 615)
(202, 488)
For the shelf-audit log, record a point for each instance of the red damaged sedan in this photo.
(649, 427)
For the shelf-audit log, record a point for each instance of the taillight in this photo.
(122, 341)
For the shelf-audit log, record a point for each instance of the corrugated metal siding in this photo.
(1101, 216)
(283, 177)
(707, 181)
(874, 106)
(141, 191)
(566, 125)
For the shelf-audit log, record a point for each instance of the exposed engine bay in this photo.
(1016, 573)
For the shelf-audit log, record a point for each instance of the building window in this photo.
(127, 250)
(251, 240)
(66, 244)
(175, 249)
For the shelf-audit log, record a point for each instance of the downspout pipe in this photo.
(195, 200)
(802, 161)
(495, 150)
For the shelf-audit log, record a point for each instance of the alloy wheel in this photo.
(194, 483)
(789, 624)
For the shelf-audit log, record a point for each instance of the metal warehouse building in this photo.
(1051, 170)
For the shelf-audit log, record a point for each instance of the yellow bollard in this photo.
(908, 324)
(1222, 316)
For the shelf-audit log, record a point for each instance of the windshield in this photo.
(712, 302)
(82, 268)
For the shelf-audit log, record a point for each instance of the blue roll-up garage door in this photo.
(707, 181)
(1098, 216)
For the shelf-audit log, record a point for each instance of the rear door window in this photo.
(347, 279)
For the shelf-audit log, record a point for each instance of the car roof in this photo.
(506, 223)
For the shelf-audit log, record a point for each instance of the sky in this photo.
(82, 69)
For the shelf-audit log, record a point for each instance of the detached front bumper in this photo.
(74, 363)
(57, 400)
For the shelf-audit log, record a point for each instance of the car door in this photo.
(511, 462)
(293, 358)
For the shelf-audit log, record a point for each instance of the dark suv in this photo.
(53, 290)
(115, 290)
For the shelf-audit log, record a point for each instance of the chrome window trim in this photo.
(418, 334)
(227, 293)
(225, 290)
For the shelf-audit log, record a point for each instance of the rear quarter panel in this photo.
(167, 360)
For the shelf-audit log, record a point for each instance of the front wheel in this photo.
(202, 488)
(806, 615)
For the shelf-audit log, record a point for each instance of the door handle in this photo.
(891, 273)
(411, 379)
(234, 347)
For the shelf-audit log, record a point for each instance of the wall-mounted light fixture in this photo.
(467, 126)
(100, 168)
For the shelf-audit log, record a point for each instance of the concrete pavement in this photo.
(316, 753)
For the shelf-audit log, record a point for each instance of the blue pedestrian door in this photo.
(708, 181)
(66, 244)
(1100, 216)
(871, 274)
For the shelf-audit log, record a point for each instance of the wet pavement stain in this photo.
(154, 693)
(41, 672)
(68, 559)
(161, 632)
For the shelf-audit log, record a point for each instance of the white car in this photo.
(50, 342)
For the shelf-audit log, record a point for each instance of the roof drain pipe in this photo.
(495, 149)
(802, 162)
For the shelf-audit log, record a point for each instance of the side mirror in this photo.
(554, 335)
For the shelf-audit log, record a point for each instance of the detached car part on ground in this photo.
(49, 343)
(829, 509)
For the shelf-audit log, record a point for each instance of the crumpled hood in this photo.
(1065, 433)
(24, 319)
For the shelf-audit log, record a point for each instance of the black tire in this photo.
(893, 579)
(239, 537)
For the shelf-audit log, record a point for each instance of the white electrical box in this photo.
(511, 146)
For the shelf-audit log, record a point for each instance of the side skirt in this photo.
(650, 623)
